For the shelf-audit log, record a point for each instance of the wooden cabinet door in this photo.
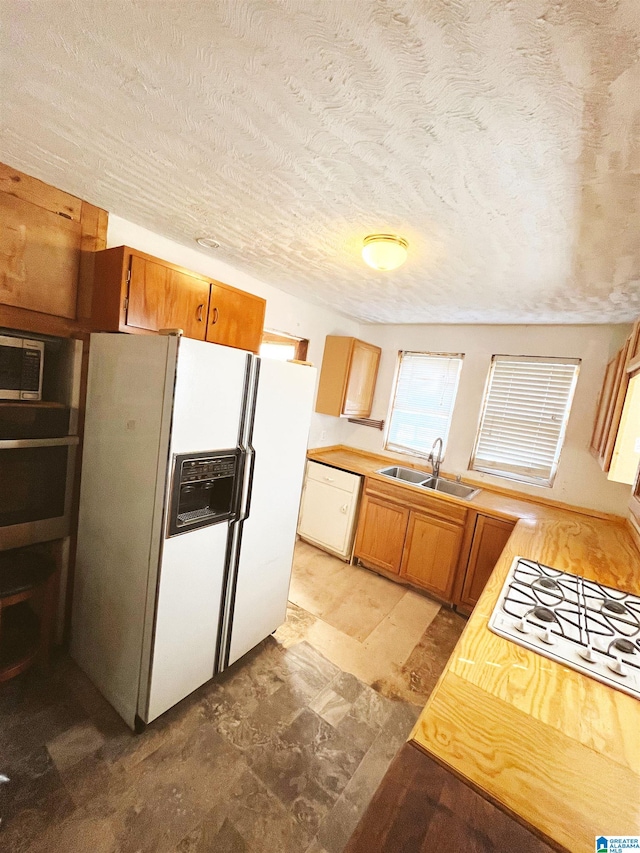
(47, 243)
(186, 304)
(361, 382)
(236, 319)
(634, 503)
(604, 407)
(348, 377)
(381, 532)
(431, 553)
(39, 258)
(489, 539)
(163, 298)
(611, 400)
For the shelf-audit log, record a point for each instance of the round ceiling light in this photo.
(208, 242)
(384, 251)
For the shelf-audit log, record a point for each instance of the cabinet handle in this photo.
(200, 310)
(329, 479)
(344, 508)
(215, 317)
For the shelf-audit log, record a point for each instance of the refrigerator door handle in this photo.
(248, 483)
(239, 485)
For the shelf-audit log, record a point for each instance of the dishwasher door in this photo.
(329, 509)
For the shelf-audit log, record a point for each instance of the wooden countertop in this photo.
(554, 747)
(456, 817)
(500, 503)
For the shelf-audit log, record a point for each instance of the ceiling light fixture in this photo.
(384, 251)
(208, 242)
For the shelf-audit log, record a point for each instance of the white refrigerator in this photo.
(192, 470)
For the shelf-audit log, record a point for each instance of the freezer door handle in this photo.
(248, 484)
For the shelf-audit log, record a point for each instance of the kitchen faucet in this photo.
(435, 460)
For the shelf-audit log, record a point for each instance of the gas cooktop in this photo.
(584, 625)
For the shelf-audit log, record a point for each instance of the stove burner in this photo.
(623, 645)
(543, 614)
(613, 606)
(581, 624)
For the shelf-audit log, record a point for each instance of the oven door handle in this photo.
(20, 443)
(247, 486)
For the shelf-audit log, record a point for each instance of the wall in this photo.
(284, 313)
(579, 480)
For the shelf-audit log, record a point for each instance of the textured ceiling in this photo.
(500, 137)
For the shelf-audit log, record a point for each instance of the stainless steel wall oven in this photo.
(37, 453)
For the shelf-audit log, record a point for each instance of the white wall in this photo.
(579, 480)
(284, 313)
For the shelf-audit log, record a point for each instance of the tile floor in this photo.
(280, 754)
(369, 626)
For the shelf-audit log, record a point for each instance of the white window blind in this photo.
(525, 415)
(425, 392)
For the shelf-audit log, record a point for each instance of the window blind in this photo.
(525, 415)
(426, 386)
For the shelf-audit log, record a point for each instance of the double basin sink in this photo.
(428, 481)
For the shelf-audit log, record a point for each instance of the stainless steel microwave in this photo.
(21, 367)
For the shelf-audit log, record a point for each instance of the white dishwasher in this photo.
(328, 510)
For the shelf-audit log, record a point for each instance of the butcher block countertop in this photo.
(557, 749)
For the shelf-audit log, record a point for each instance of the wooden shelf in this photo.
(22, 571)
(25, 636)
(19, 640)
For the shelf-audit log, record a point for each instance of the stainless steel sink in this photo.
(409, 475)
(428, 481)
(449, 487)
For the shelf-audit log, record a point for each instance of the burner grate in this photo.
(579, 622)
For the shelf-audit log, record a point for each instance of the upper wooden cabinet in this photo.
(135, 292)
(634, 503)
(161, 297)
(612, 398)
(236, 318)
(47, 241)
(348, 377)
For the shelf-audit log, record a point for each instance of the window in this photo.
(426, 386)
(283, 347)
(525, 415)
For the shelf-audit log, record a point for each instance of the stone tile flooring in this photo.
(281, 754)
(368, 625)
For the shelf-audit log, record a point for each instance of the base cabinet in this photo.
(422, 806)
(381, 533)
(440, 546)
(431, 553)
(413, 535)
(490, 536)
